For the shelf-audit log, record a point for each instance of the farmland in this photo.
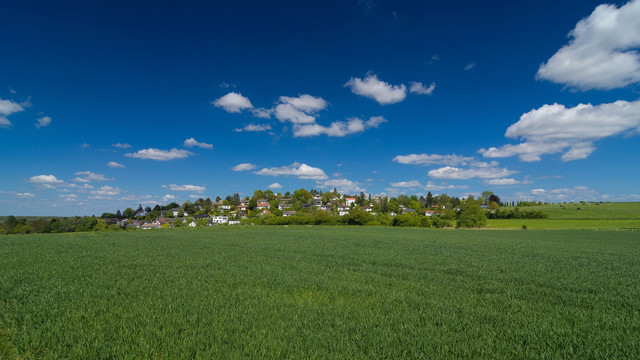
(578, 216)
(320, 292)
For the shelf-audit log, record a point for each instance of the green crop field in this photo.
(565, 224)
(591, 211)
(320, 292)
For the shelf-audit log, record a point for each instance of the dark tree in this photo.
(494, 198)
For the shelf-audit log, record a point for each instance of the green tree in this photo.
(485, 196)
(472, 217)
(302, 196)
(128, 213)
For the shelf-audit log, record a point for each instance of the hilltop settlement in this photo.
(300, 208)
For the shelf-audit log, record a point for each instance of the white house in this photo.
(350, 201)
(220, 219)
(344, 212)
(262, 205)
(234, 222)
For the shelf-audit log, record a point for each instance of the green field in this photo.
(590, 211)
(591, 216)
(320, 292)
(565, 224)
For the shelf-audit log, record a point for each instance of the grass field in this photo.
(591, 211)
(565, 224)
(320, 292)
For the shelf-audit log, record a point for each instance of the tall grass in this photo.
(320, 292)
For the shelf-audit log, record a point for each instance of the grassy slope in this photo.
(322, 292)
(590, 216)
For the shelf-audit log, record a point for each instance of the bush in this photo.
(472, 217)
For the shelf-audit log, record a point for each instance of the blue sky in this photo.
(107, 105)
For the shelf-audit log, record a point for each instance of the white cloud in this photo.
(83, 186)
(470, 66)
(85, 145)
(25, 194)
(89, 176)
(419, 88)
(299, 110)
(243, 167)
(444, 186)
(47, 180)
(114, 164)
(301, 171)
(577, 193)
(338, 128)
(503, 181)
(262, 113)
(254, 128)
(168, 198)
(554, 128)
(107, 191)
(233, 102)
(344, 186)
(43, 122)
(602, 52)
(306, 103)
(407, 184)
(194, 188)
(275, 186)
(8, 107)
(432, 159)
(480, 170)
(380, 91)
(287, 112)
(191, 142)
(121, 145)
(160, 155)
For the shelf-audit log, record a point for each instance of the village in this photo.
(233, 210)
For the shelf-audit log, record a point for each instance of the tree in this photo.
(429, 200)
(485, 196)
(302, 196)
(118, 214)
(472, 216)
(128, 213)
(494, 198)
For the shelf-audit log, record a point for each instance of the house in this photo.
(175, 211)
(192, 224)
(149, 225)
(288, 213)
(343, 207)
(429, 212)
(201, 216)
(327, 207)
(367, 208)
(242, 215)
(437, 206)
(242, 207)
(262, 205)
(284, 204)
(350, 201)
(265, 212)
(225, 207)
(234, 222)
(407, 211)
(220, 219)
(344, 212)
